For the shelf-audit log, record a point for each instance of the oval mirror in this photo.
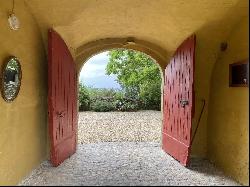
(11, 80)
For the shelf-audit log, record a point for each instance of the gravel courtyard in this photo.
(140, 126)
(119, 148)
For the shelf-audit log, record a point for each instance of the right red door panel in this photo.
(178, 107)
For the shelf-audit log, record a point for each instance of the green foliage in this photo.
(101, 93)
(126, 104)
(138, 75)
(151, 96)
(97, 99)
(102, 99)
(84, 98)
(139, 78)
(103, 106)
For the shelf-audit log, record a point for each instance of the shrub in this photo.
(84, 98)
(150, 95)
(126, 104)
(130, 106)
(129, 99)
(102, 106)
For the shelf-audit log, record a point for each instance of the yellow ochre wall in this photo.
(228, 124)
(23, 121)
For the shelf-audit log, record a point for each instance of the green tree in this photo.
(138, 75)
(84, 98)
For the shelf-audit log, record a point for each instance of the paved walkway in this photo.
(125, 163)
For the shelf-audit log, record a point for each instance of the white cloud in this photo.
(100, 56)
(93, 72)
(95, 66)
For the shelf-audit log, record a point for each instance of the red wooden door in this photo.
(178, 105)
(62, 98)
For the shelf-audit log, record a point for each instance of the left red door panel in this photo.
(62, 99)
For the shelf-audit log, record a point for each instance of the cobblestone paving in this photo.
(126, 163)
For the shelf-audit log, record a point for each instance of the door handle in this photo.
(60, 114)
(183, 103)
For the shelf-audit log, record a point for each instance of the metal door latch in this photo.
(183, 103)
(60, 114)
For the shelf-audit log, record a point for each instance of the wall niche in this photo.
(239, 74)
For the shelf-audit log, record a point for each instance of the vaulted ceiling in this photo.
(163, 22)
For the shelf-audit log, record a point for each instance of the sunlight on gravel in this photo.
(141, 126)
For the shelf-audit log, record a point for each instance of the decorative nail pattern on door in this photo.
(178, 102)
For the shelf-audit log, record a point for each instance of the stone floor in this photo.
(126, 163)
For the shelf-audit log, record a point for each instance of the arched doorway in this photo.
(128, 111)
(177, 100)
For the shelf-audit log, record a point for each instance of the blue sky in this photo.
(93, 73)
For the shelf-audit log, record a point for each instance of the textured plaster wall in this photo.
(23, 121)
(228, 122)
(159, 25)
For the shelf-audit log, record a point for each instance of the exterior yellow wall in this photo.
(23, 122)
(228, 125)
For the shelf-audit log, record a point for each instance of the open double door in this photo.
(178, 102)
